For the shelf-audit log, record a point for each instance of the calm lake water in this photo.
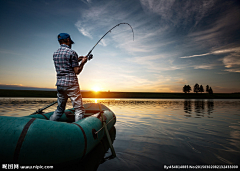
(154, 133)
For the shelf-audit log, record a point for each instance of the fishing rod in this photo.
(90, 56)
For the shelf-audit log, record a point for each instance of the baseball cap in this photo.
(64, 36)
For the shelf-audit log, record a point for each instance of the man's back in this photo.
(65, 59)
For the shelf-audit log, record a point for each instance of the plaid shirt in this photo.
(65, 59)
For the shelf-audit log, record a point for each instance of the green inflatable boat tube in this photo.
(34, 139)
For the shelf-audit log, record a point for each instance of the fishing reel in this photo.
(90, 57)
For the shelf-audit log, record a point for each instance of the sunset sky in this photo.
(175, 43)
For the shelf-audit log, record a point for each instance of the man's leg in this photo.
(76, 98)
(62, 100)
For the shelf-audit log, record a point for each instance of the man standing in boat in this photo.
(67, 68)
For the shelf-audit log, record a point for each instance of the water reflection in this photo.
(188, 108)
(147, 128)
(199, 107)
(210, 105)
(191, 108)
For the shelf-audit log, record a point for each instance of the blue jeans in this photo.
(72, 92)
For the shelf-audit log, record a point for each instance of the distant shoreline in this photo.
(144, 95)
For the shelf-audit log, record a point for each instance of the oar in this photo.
(40, 110)
(106, 131)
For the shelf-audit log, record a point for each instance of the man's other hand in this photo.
(84, 59)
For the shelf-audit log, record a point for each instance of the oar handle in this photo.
(40, 110)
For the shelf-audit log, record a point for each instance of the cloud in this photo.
(232, 62)
(205, 66)
(87, 1)
(196, 55)
(145, 59)
(236, 49)
(233, 70)
(83, 29)
(95, 21)
(161, 7)
(176, 12)
(156, 63)
(103, 42)
(215, 37)
(218, 32)
(216, 52)
(171, 29)
(181, 81)
(145, 41)
(196, 35)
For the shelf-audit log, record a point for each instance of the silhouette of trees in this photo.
(201, 89)
(207, 88)
(210, 91)
(196, 88)
(187, 89)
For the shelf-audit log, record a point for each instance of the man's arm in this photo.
(79, 68)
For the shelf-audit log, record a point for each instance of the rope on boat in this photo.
(106, 131)
(103, 127)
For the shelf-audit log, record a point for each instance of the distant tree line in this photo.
(197, 88)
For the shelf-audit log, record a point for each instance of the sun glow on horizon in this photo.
(96, 89)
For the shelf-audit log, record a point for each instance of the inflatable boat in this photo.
(34, 139)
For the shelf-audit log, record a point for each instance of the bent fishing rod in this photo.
(90, 56)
